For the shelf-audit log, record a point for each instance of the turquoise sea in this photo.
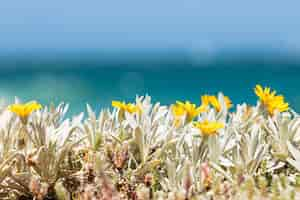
(98, 78)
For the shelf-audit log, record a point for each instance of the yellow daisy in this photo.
(208, 127)
(270, 100)
(24, 110)
(213, 101)
(187, 108)
(129, 107)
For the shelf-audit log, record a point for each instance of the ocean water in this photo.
(98, 79)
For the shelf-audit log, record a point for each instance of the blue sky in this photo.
(59, 24)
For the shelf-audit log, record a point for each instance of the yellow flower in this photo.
(129, 107)
(187, 108)
(265, 95)
(270, 100)
(212, 100)
(24, 110)
(208, 127)
(178, 110)
(215, 103)
(205, 100)
(227, 102)
(277, 104)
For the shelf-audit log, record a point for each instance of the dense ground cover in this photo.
(141, 150)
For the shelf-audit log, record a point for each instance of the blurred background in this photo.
(98, 51)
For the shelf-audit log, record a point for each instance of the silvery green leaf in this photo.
(226, 162)
(91, 113)
(161, 112)
(295, 152)
(214, 149)
(220, 170)
(294, 128)
(131, 120)
(275, 167)
(65, 109)
(139, 140)
(294, 163)
(171, 170)
(17, 100)
(61, 191)
(76, 120)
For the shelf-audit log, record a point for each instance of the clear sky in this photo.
(59, 24)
